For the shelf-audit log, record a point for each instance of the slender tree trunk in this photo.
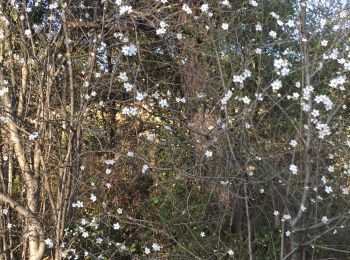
(36, 243)
(31, 181)
(307, 147)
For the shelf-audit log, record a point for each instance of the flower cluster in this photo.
(325, 100)
(227, 96)
(241, 78)
(281, 67)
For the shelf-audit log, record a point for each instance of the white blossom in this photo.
(33, 136)
(49, 242)
(276, 85)
(180, 100)
(273, 34)
(345, 190)
(187, 9)
(276, 213)
(258, 27)
(128, 87)
(325, 100)
(224, 26)
(227, 96)
(334, 54)
(110, 162)
(330, 169)
(129, 50)
(93, 197)
(150, 137)
(293, 168)
(208, 153)
(281, 67)
(204, 8)
(246, 100)
(163, 103)
(324, 43)
(123, 76)
(78, 204)
(125, 9)
(315, 113)
(253, 3)
(274, 15)
(286, 217)
(28, 33)
(338, 82)
(323, 130)
(155, 247)
(328, 189)
(307, 91)
(293, 143)
(116, 226)
(324, 219)
(225, 3)
(347, 65)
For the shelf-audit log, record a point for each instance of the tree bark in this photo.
(31, 182)
(36, 245)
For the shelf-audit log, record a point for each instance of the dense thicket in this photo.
(173, 129)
